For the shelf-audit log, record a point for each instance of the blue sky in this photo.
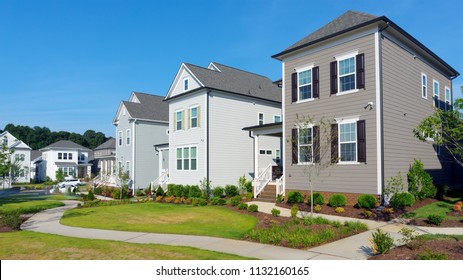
(67, 65)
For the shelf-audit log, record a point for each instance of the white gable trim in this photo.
(119, 113)
(214, 67)
(177, 80)
(134, 98)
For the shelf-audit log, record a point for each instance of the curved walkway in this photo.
(354, 247)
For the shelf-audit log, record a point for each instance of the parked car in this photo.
(69, 183)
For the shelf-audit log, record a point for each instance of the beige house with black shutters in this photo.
(375, 82)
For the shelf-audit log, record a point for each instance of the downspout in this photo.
(253, 153)
(207, 136)
(133, 156)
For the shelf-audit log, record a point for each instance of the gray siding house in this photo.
(141, 124)
(209, 107)
(105, 162)
(375, 82)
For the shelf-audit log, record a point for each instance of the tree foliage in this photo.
(40, 137)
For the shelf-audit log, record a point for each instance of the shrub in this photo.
(248, 186)
(430, 255)
(275, 212)
(218, 201)
(198, 201)
(381, 241)
(420, 182)
(253, 208)
(279, 198)
(235, 201)
(367, 214)
(337, 200)
(435, 219)
(90, 195)
(457, 206)
(12, 219)
(194, 191)
(218, 192)
(160, 192)
(318, 199)
(317, 208)
(339, 210)
(243, 206)
(158, 198)
(177, 200)
(249, 195)
(231, 191)
(169, 199)
(186, 190)
(175, 190)
(139, 192)
(206, 188)
(294, 210)
(98, 191)
(366, 201)
(400, 200)
(388, 210)
(295, 197)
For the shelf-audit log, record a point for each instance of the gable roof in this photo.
(352, 20)
(35, 154)
(16, 143)
(232, 80)
(151, 107)
(110, 144)
(65, 144)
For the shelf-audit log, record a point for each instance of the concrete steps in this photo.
(268, 194)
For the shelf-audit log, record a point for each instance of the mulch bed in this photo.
(452, 248)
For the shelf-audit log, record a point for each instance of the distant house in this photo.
(36, 158)
(105, 160)
(141, 124)
(208, 109)
(66, 155)
(376, 82)
(21, 158)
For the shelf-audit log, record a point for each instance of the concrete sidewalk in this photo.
(355, 247)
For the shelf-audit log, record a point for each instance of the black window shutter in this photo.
(334, 77)
(316, 144)
(360, 64)
(334, 143)
(315, 83)
(294, 87)
(294, 144)
(361, 142)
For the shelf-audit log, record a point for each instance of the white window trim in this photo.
(346, 121)
(258, 118)
(424, 85)
(343, 57)
(190, 117)
(276, 116)
(120, 138)
(187, 84)
(298, 70)
(298, 146)
(127, 168)
(434, 82)
(447, 89)
(128, 135)
(175, 121)
(265, 152)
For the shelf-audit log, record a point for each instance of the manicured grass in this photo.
(440, 236)
(163, 218)
(25, 245)
(440, 208)
(30, 202)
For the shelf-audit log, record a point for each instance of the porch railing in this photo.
(104, 179)
(280, 187)
(162, 181)
(262, 180)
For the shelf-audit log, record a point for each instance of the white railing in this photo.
(162, 181)
(105, 180)
(262, 180)
(280, 186)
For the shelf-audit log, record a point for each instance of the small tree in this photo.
(444, 128)
(124, 178)
(316, 137)
(59, 175)
(5, 162)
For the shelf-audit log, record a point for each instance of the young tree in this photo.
(5, 163)
(444, 128)
(311, 144)
(59, 175)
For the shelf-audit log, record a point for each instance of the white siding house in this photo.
(21, 157)
(208, 109)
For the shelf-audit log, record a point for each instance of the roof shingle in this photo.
(151, 107)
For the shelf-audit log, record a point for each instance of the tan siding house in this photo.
(364, 74)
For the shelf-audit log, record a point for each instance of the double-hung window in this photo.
(305, 84)
(60, 155)
(179, 120)
(348, 142)
(347, 74)
(70, 156)
(424, 89)
(128, 134)
(436, 93)
(193, 117)
(448, 99)
(120, 138)
(65, 156)
(305, 145)
(276, 118)
(261, 118)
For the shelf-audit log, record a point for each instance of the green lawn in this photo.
(31, 202)
(215, 221)
(25, 245)
(440, 208)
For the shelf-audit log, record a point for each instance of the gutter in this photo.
(207, 136)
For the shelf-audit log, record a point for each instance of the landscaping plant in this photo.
(235, 201)
(243, 206)
(435, 219)
(420, 182)
(366, 201)
(231, 191)
(339, 210)
(295, 197)
(294, 210)
(318, 199)
(381, 241)
(218, 192)
(337, 200)
(317, 208)
(402, 199)
(253, 208)
(275, 212)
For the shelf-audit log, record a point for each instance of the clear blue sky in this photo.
(67, 65)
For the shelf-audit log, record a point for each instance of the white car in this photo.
(69, 183)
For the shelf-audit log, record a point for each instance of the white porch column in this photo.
(256, 156)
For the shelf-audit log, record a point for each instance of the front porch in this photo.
(268, 180)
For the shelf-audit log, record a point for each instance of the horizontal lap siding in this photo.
(404, 108)
(358, 178)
